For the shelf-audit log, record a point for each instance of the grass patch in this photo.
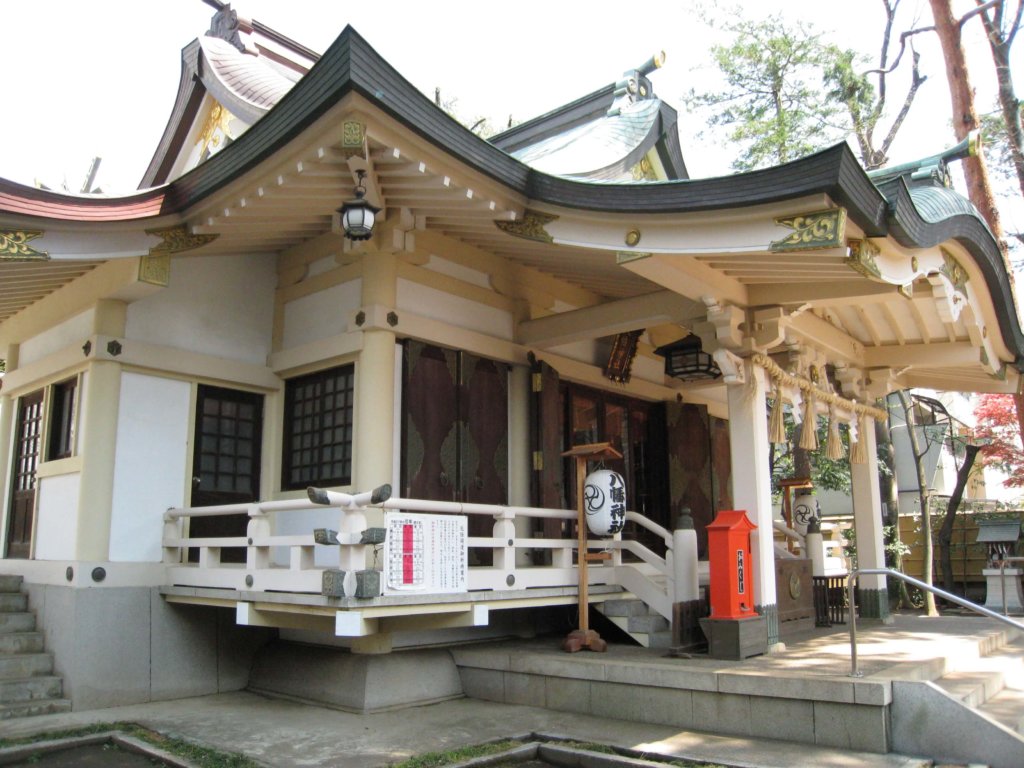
(204, 757)
(450, 757)
(436, 759)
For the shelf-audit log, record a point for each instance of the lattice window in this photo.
(318, 429)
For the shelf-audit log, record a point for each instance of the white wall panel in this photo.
(463, 313)
(320, 315)
(75, 330)
(150, 462)
(56, 517)
(216, 305)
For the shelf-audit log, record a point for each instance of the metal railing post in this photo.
(852, 580)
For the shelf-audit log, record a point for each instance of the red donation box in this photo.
(732, 572)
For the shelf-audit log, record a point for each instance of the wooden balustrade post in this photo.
(504, 531)
(173, 530)
(257, 557)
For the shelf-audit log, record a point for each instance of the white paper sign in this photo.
(424, 553)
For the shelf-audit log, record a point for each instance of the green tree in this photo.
(772, 103)
(825, 473)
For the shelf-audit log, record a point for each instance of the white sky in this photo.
(83, 79)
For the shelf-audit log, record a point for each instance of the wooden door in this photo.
(430, 415)
(27, 447)
(483, 443)
(690, 470)
(225, 462)
(455, 431)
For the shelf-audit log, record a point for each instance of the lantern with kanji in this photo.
(604, 501)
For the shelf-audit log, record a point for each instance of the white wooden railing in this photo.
(288, 563)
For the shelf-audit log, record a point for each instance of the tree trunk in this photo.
(1000, 43)
(965, 117)
(946, 532)
(926, 514)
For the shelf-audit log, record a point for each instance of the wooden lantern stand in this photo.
(585, 637)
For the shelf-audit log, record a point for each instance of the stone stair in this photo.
(649, 628)
(993, 685)
(950, 706)
(27, 683)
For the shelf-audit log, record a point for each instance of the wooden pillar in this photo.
(867, 521)
(10, 357)
(751, 487)
(100, 403)
(375, 418)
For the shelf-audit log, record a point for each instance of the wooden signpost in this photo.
(585, 637)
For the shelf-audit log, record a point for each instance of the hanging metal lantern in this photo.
(685, 360)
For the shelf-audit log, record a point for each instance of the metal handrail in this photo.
(852, 580)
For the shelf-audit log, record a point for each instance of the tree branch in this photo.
(976, 11)
(903, 48)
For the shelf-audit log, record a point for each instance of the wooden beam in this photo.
(838, 345)
(609, 319)
(688, 277)
(819, 294)
(952, 354)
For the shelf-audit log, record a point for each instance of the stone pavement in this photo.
(283, 733)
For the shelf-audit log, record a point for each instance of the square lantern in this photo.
(685, 360)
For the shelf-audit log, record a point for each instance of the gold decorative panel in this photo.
(530, 227)
(818, 229)
(14, 246)
(177, 239)
(155, 269)
(862, 258)
(954, 271)
(353, 137)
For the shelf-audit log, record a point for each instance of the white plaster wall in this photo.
(216, 305)
(320, 315)
(56, 517)
(454, 310)
(150, 462)
(75, 330)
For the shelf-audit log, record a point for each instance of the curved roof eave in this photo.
(23, 200)
(352, 65)
(186, 106)
(910, 228)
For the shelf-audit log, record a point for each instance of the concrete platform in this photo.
(812, 672)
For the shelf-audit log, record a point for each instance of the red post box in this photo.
(732, 571)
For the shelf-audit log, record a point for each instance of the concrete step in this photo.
(648, 623)
(13, 602)
(1007, 708)
(33, 708)
(633, 616)
(20, 665)
(9, 583)
(660, 639)
(21, 642)
(17, 622)
(623, 607)
(30, 689)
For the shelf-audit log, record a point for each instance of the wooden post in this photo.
(585, 637)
